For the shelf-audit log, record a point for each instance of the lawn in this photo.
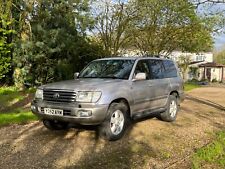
(213, 155)
(10, 95)
(20, 118)
(189, 86)
(15, 106)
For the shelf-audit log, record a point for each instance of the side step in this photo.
(147, 113)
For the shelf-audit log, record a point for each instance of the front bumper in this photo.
(98, 112)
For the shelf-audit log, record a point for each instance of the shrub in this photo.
(214, 80)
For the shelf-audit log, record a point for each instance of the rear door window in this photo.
(170, 69)
(156, 69)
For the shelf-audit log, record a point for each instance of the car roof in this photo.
(131, 58)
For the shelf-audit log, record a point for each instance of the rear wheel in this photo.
(116, 121)
(172, 108)
(55, 125)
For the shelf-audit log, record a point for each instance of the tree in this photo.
(153, 27)
(5, 48)
(57, 45)
(53, 41)
(112, 21)
(212, 14)
(199, 3)
(183, 64)
(219, 57)
(164, 26)
(6, 32)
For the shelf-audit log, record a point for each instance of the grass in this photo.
(10, 95)
(212, 155)
(7, 90)
(18, 118)
(12, 109)
(189, 86)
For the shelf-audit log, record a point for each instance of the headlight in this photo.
(39, 94)
(89, 97)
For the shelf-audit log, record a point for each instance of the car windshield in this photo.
(115, 68)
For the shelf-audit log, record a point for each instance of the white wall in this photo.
(175, 55)
(216, 73)
(203, 56)
(201, 73)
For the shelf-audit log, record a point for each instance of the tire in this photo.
(55, 125)
(116, 122)
(171, 112)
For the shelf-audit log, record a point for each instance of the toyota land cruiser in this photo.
(110, 92)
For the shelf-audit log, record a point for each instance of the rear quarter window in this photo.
(170, 69)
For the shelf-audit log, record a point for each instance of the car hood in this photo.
(82, 84)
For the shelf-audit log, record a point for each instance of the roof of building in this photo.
(192, 63)
(211, 64)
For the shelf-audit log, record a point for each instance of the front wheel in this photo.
(116, 121)
(172, 108)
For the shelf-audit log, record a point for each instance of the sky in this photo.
(219, 42)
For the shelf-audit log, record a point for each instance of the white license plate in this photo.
(56, 112)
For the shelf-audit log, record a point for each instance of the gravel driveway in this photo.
(149, 143)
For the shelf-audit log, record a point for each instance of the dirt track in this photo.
(149, 143)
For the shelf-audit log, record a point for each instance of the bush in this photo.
(193, 81)
(204, 80)
(214, 80)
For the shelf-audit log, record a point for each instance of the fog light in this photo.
(33, 107)
(84, 113)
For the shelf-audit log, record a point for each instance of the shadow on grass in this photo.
(21, 103)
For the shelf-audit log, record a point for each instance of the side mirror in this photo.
(140, 76)
(76, 75)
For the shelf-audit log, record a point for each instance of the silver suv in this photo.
(109, 93)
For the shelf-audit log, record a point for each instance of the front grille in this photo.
(59, 95)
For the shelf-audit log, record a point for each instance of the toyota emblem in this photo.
(56, 95)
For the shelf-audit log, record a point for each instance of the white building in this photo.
(194, 57)
(203, 57)
(211, 71)
(201, 66)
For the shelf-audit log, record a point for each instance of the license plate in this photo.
(55, 112)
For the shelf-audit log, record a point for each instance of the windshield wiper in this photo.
(103, 77)
(88, 77)
(111, 77)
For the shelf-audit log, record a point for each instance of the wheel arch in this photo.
(124, 100)
(176, 94)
